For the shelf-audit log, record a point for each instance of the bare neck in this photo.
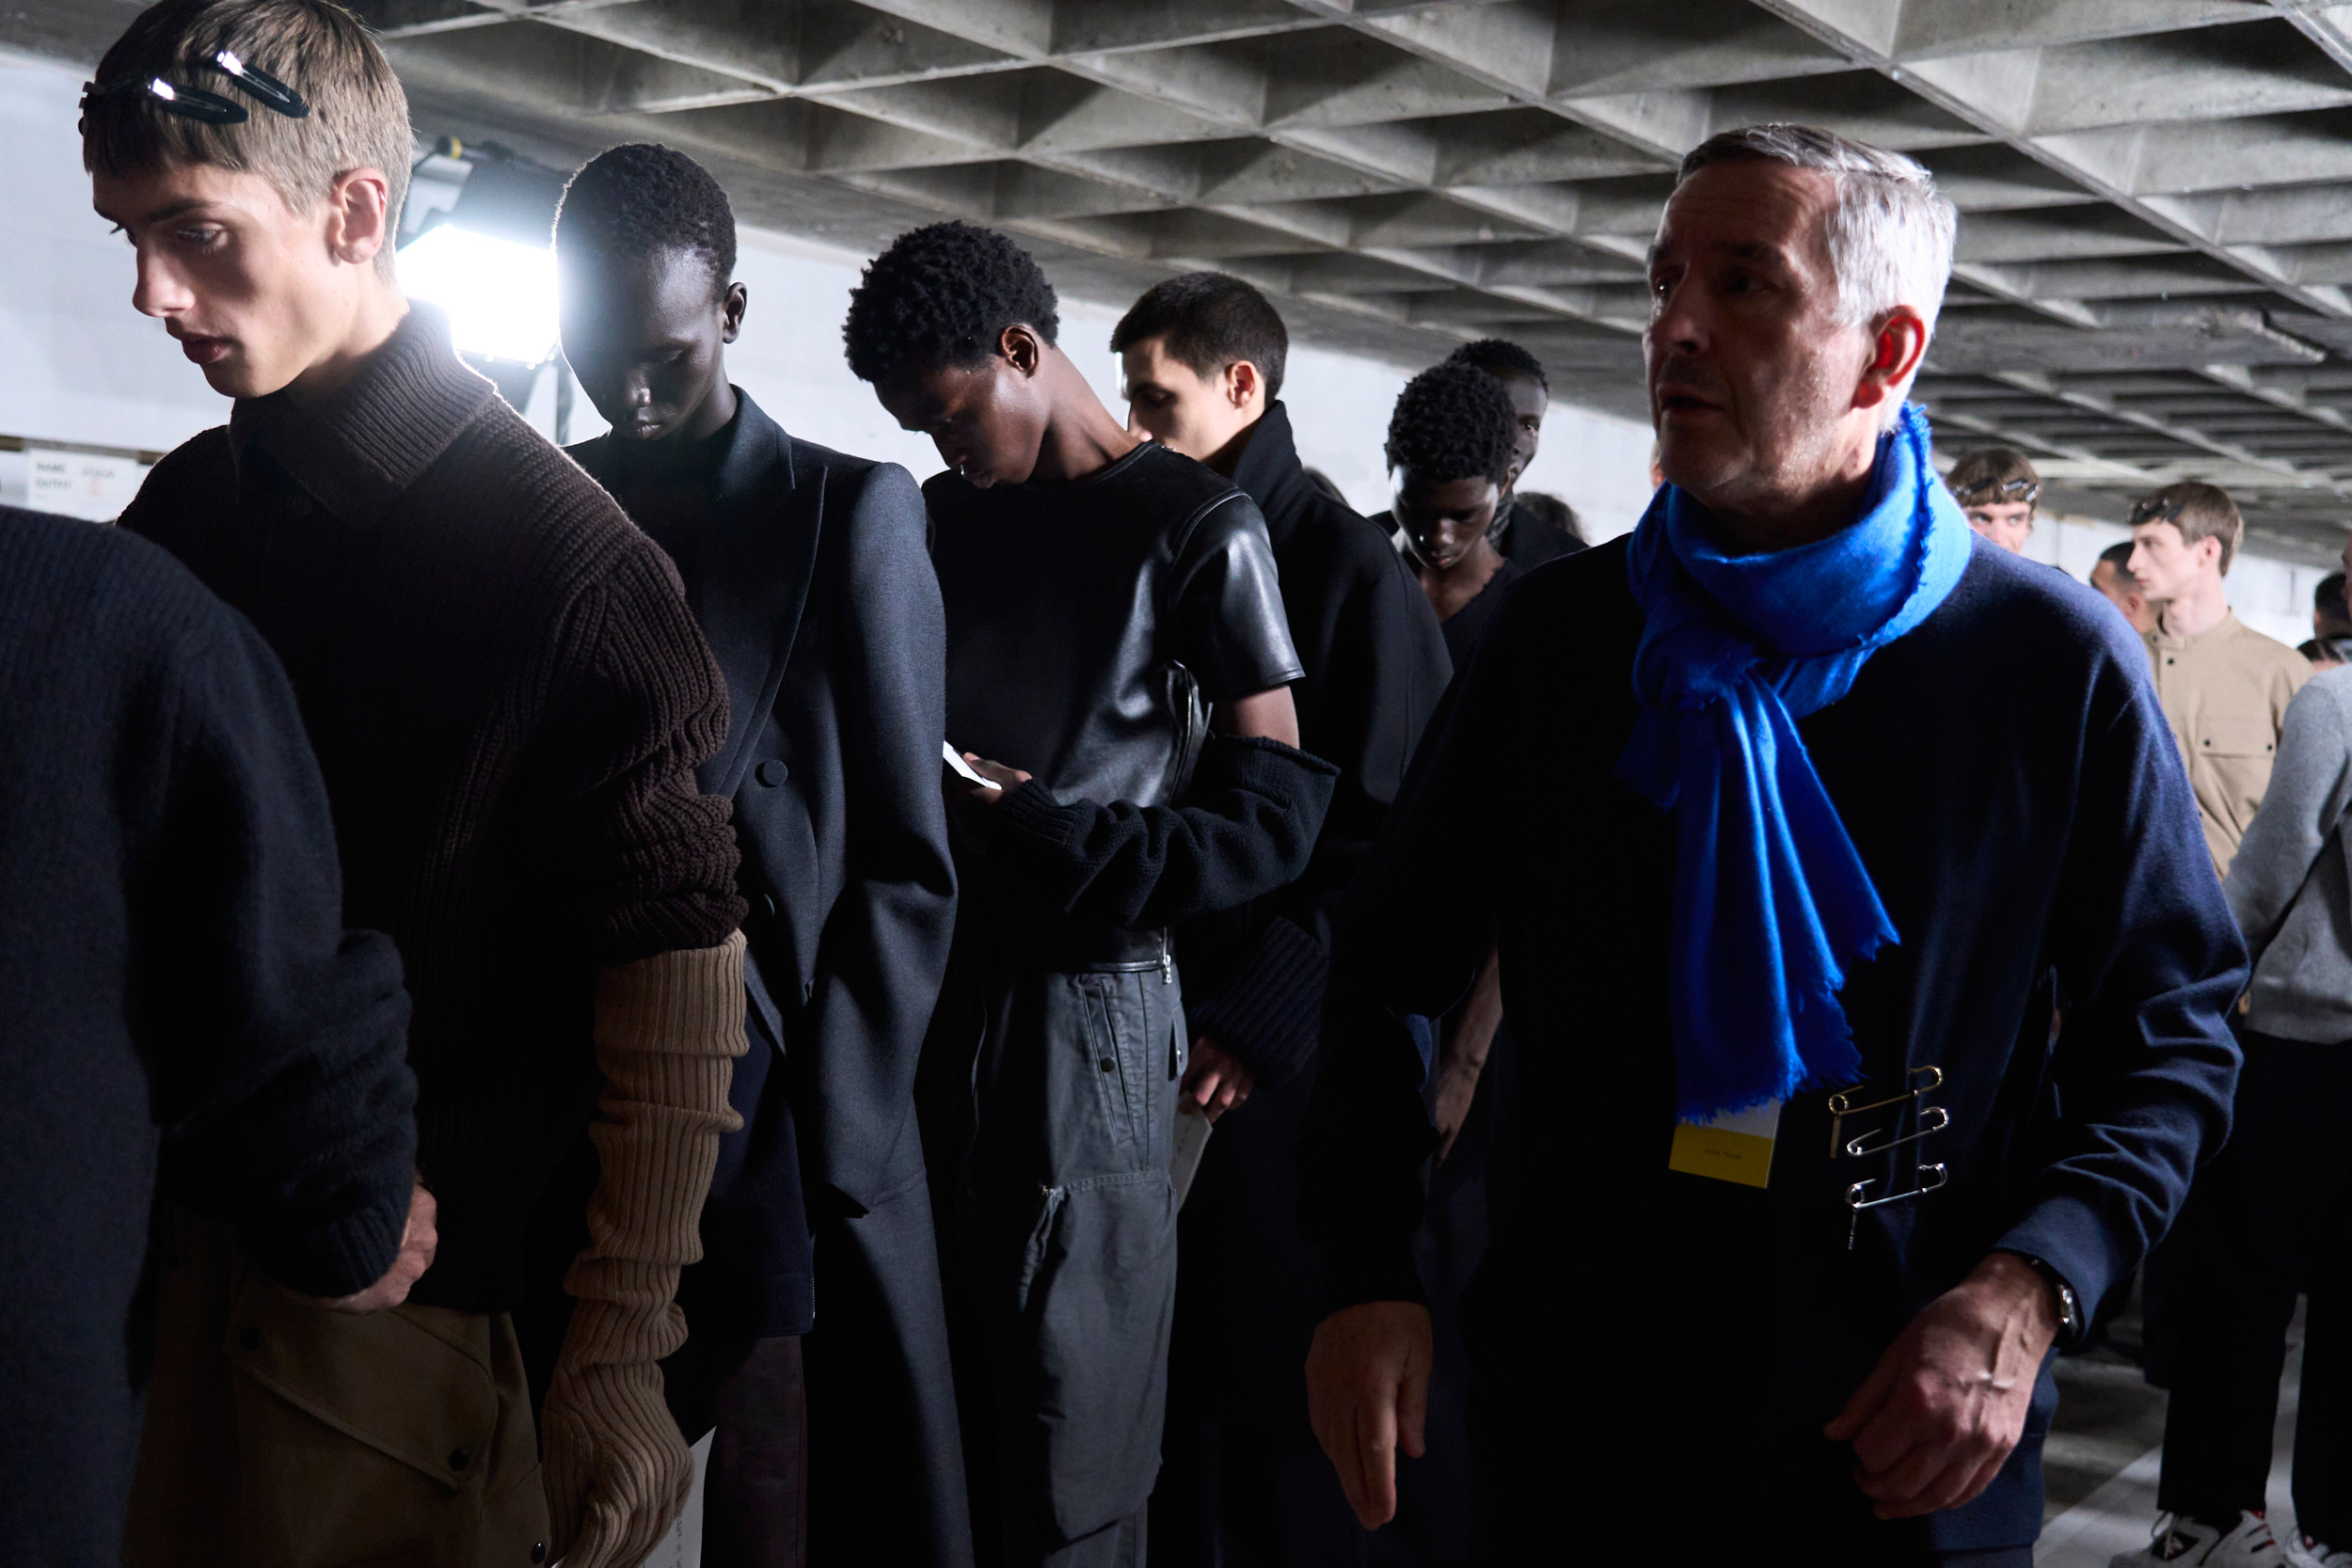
(1769, 517)
(1081, 438)
(2198, 610)
(376, 311)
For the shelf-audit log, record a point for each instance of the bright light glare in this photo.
(499, 294)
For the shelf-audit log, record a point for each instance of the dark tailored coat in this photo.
(813, 584)
(2009, 779)
(1526, 541)
(181, 1001)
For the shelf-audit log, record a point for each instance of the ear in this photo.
(1243, 384)
(1020, 345)
(736, 300)
(359, 216)
(1897, 347)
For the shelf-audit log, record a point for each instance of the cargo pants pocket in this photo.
(1099, 1292)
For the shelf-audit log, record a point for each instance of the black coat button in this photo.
(768, 906)
(538, 1551)
(1108, 1064)
(773, 772)
(459, 1459)
(249, 1339)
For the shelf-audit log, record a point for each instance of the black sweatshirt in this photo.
(2011, 784)
(508, 698)
(179, 995)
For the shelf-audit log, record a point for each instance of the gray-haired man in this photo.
(1794, 814)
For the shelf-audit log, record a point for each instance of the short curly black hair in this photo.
(1499, 355)
(642, 198)
(1454, 421)
(943, 295)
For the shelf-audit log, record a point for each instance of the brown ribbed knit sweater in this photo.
(508, 697)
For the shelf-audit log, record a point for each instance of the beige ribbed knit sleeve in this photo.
(668, 1029)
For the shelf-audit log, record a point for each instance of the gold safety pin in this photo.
(1841, 1103)
(1933, 1119)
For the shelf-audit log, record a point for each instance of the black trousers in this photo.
(2268, 1220)
(755, 1488)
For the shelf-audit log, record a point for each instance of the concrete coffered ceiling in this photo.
(2155, 271)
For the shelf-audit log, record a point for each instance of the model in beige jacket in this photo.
(2225, 687)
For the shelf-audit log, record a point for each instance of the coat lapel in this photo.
(753, 582)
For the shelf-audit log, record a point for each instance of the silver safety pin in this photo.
(1856, 1202)
(1841, 1104)
(1933, 1119)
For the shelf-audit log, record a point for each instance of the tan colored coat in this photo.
(2224, 691)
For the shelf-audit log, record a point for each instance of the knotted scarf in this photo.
(1771, 901)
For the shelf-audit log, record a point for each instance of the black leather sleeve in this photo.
(1248, 827)
(1232, 630)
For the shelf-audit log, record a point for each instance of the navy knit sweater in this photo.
(177, 993)
(2010, 781)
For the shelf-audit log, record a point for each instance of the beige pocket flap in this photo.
(2236, 737)
(385, 1380)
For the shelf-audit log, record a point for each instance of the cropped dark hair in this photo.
(1454, 421)
(943, 294)
(640, 200)
(1210, 320)
(1501, 357)
(2329, 601)
(2200, 510)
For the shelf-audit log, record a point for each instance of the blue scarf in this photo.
(1772, 902)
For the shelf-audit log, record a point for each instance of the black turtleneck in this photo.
(667, 488)
(1375, 666)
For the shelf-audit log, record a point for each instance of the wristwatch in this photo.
(2069, 1306)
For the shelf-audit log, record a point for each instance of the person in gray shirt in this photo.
(2271, 1217)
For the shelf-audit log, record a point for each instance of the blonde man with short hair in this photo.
(2225, 686)
(508, 697)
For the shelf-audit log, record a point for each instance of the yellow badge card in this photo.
(1737, 1148)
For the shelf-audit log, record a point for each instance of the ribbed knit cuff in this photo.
(1030, 812)
(667, 1030)
(337, 1259)
(1269, 1010)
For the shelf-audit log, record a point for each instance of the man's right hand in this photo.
(417, 1246)
(1367, 1392)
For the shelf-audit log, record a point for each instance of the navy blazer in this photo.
(813, 584)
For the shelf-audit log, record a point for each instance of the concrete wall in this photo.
(82, 366)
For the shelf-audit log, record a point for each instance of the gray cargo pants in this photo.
(1067, 1226)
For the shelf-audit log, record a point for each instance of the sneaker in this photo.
(2185, 1543)
(2308, 1552)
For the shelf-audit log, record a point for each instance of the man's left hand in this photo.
(1216, 1082)
(1934, 1422)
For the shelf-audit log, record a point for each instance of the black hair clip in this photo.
(273, 93)
(210, 107)
(2008, 490)
(2154, 511)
